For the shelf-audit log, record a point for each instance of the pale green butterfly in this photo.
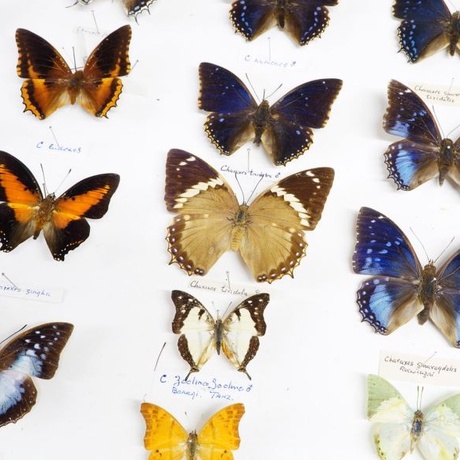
(398, 429)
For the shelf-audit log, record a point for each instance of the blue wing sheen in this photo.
(222, 91)
(409, 117)
(382, 248)
(421, 10)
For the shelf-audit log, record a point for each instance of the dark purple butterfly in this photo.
(427, 27)
(303, 20)
(424, 153)
(400, 287)
(33, 353)
(284, 129)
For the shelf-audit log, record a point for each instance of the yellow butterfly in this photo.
(167, 439)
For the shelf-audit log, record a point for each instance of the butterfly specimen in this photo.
(32, 353)
(51, 83)
(132, 7)
(167, 439)
(400, 287)
(268, 233)
(303, 20)
(424, 153)
(284, 129)
(25, 212)
(237, 335)
(399, 429)
(427, 27)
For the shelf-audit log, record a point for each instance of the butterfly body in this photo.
(303, 20)
(33, 353)
(25, 212)
(51, 83)
(424, 153)
(400, 288)
(268, 232)
(166, 439)
(132, 7)
(236, 335)
(398, 429)
(426, 27)
(284, 128)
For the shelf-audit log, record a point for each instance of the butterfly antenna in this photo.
(9, 281)
(435, 116)
(444, 250)
(421, 244)
(14, 333)
(419, 397)
(158, 357)
(73, 4)
(252, 87)
(255, 188)
(228, 280)
(275, 90)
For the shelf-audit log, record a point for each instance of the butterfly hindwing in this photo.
(35, 352)
(423, 154)
(51, 84)
(283, 129)
(25, 212)
(167, 439)
(268, 232)
(302, 19)
(201, 335)
(426, 27)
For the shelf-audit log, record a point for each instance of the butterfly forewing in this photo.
(36, 353)
(219, 435)
(164, 435)
(51, 84)
(268, 233)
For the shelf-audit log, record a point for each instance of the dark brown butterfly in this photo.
(268, 233)
(51, 83)
(33, 353)
(25, 212)
(132, 7)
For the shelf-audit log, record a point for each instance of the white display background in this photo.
(308, 398)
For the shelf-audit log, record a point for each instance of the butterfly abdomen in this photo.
(280, 13)
(260, 120)
(454, 34)
(427, 292)
(192, 446)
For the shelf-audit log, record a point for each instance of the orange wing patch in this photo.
(24, 212)
(52, 84)
(166, 439)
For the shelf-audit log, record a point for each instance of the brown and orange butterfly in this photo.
(166, 438)
(25, 212)
(268, 233)
(51, 83)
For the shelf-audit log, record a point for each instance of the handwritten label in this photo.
(200, 387)
(419, 369)
(57, 148)
(29, 293)
(250, 172)
(270, 62)
(438, 94)
(223, 287)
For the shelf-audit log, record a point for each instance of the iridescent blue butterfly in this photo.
(400, 287)
(303, 20)
(424, 153)
(427, 27)
(33, 353)
(284, 129)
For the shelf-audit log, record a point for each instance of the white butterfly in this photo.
(237, 335)
(399, 429)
